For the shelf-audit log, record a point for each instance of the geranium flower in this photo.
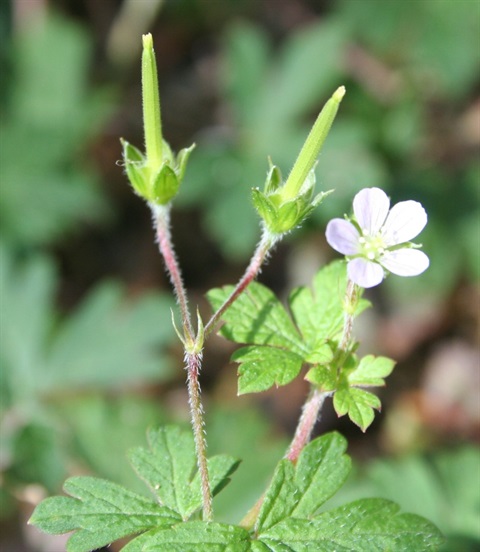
(377, 239)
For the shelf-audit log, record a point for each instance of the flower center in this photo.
(371, 247)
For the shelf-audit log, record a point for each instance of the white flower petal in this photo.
(370, 207)
(364, 273)
(405, 221)
(342, 236)
(405, 262)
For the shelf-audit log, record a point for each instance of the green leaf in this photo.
(263, 367)
(283, 344)
(100, 513)
(299, 490)
(257, 317)
(323, 377)
(359, 405)
(318, 312)
(194, 536)
(169, 469)
(371, 371)
(349, 399)
(369, 525)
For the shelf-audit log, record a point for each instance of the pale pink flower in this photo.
(377, 239)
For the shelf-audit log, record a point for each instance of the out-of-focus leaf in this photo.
(421, 38)
(37, 456)
(278, 343)
(108, 340)
(46, 188)
(168, 468)
(243, 434)
(105, 428)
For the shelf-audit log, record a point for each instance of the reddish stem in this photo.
(252, 270)
(194, 364)
(310, 415)
(162, 221)
(193, 360)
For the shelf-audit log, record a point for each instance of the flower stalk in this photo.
(162, 222)
(194, 364)
(263, 248)
(311, 409)
(308, 419)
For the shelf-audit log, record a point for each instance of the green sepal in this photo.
(182, 160)
(308, 187)
(164, 186)
(135, 168)
(273, 180)
(289, 215)
(167, 154)
(264, 207)
(278, 215)
(320, 197)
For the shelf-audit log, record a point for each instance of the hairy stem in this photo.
(264, 246)
(194, 363)
(311, 409)
(350, 304)
(162, 221)
(310, 415)
(193, 360)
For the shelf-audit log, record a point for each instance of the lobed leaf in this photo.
(193, 536)
(168, 467)
(371, 371)
(263, 367)
(319, 312)
(368, 525)
(100, 512)
(358, 404)
(299, 490)
(257, 317)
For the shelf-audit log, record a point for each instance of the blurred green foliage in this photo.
(48, 188)
(108, 342)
